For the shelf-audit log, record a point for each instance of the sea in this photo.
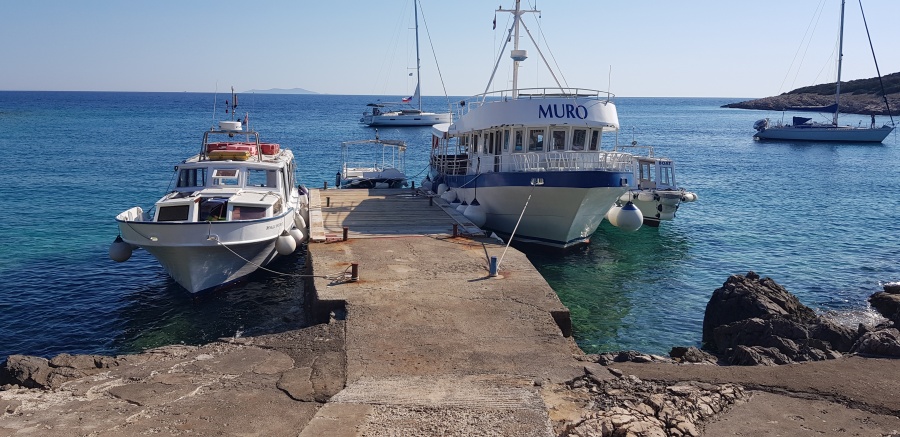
(819, 219)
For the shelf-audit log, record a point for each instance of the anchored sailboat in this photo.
(378, 115)
(803, 129)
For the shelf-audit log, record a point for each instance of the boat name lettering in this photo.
(562, 111)
(275, 226)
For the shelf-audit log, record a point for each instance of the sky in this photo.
(633, 48)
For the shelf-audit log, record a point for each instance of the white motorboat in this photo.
(654, 190)
(804, 129)
(403, 113)
(528, 163)
(374, 163)
(235, 207)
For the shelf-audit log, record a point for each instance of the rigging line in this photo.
(273, 271)
(541, 32)
(530, 36)
(508, 242)
(434, 55)
(499, 58)
(815, 18)
(877, 70)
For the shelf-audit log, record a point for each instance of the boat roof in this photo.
(395, 143)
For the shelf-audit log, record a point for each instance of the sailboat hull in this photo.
(400, 119)
(847, 134)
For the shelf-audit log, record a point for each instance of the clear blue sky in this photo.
(699, 48)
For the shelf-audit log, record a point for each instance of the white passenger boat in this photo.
(528, 163)
(654, 190)
(374, 163)
(235, 207)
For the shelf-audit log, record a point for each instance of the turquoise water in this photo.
(817, 218)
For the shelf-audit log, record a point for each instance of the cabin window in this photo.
(262, 178)
(536, 140)
(192, 177)
(506, 141)
(645, 172)
(490, 143)
(519, 140)
(213, 209)
(475, 143)
(595, 139)
(226, 177)
(666, 176)
(558, 140)
(173, 213)
(248, 212)
(579, 138)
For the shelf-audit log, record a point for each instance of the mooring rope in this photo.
(508, 242)
(331, 277)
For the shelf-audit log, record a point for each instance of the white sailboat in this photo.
(804, 129)
(380, 114)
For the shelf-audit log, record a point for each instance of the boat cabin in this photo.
(230, 181)
(521, 149)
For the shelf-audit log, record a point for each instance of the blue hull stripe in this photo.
(560, 179)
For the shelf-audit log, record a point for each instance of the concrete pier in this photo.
(432, 342)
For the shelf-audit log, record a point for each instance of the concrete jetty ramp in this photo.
(434, 345)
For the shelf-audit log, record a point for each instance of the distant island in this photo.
(282, 91)
(861, 96)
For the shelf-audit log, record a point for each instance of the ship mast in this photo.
(837, 97)
(418, 60)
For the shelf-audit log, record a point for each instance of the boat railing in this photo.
(479, 100)
(565, 161)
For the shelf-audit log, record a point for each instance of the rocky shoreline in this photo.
(866, 104)
(751, 324)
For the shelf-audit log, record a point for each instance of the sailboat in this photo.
(378, 114)
(804, 129)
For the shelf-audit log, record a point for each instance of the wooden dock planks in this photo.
(382, 213)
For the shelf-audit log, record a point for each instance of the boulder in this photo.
(887, 304)
(752, 320)
(691, 354)
(883, 342)
(27, 371)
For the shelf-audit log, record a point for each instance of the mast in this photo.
(418, 61)
(516, 16)
(837, 97)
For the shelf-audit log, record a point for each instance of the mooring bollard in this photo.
(493, 268)
(430, 201)
(324, 185)
(455, 230)
(414, 185)
(328, 202)
(354, 271)
(346, 230)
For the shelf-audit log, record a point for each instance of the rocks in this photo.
(629, 406)
(753, 321)
(628, 356)
(681, 354)
(37, 372)
(887, 302)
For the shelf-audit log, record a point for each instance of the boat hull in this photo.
(423, 119)
(655, 205)
(202, 256)
(846, 134)
(564, 211)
